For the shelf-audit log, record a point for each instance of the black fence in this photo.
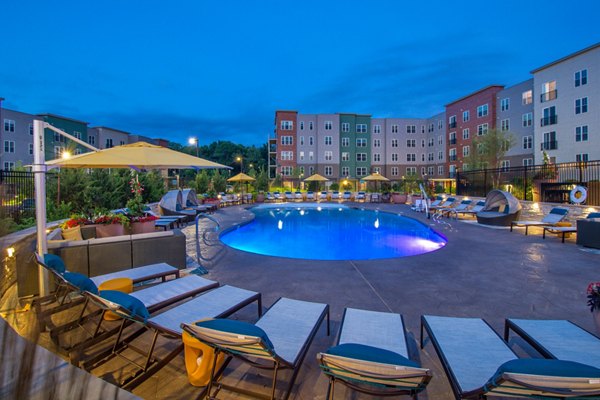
(17, 193)
(548, 183)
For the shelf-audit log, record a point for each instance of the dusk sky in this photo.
(218, 70)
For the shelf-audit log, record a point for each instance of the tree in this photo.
(489, 149)
(219, 182)
(202, 182)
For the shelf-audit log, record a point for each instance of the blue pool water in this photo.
(332, 232)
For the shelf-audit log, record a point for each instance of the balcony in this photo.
(550, 145)
(452, 158)
(551, 95)
(452, 125)
(551, 120)
(452, 141)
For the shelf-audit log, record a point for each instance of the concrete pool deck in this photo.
(481, 272)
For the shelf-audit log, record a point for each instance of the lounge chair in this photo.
(475, 209)
(347, 196)
(280, 339)
(269, 198)
(289, 196)
(310, 196)
(556, 215)
(565, 230)
(447, 204)
(298, 196)
(438, 201)
(501, 209)
(478, 363)
(371, 356)
(323, 196)
(277, 196)
(361, 197)
(462, 206)
(335, 196)
(217, 303)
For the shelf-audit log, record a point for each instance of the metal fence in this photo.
(548, 183)
(17, 195)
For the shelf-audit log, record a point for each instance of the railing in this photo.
(551, 95)
(451, 158)
(452, 125)
(550, 145)
(201, 270)
(17, 195)
(549, 182)
(551, 120)
(452, 141)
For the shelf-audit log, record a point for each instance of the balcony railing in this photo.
(551, 120)
(550, 145)
(452, 158)
(452, 125)
(452, 141)
(551, 95)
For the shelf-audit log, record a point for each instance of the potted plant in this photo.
(141, 222)
(593, 295)
(110, 224)
(72, 228)
(397, 196)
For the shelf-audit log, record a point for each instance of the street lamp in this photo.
(194, 142)
(241, 161)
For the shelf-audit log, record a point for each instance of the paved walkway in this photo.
(481, 272)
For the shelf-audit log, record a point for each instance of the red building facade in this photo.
(285, 132)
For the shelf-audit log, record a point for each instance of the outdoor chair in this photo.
(310, 196)
(473, 210)
(446, 205)
(438, 201)
(371, 356)
(347, 196)
(277, 196)
(478, 364)
(323, 196)
(269, 198)
(375, 197)
(335, 196)
(462, 206)
(555, 215)
(289, 196)
(279, 340)
(565, 230)
(361, 197)
(298, 196)
(217, 303)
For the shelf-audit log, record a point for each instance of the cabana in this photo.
(501, 208)
(171, 204)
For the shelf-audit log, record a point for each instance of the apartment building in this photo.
(17, 138)
(567, 121)
(104, 138)
(56, 144)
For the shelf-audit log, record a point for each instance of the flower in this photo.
(76, 220)
(143, 218)
(108, 219)
(593, 292)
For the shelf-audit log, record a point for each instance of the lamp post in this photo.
(241, 161)
(194, 142)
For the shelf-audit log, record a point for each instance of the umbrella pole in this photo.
(39, 171)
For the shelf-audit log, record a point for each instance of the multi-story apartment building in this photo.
(436, 146)
(567, 120)
(17, 138)
(354, 145)
(285, 131)
(105, 138)
(56, 144)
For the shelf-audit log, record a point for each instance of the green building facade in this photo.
(355, 145)
(55, 144)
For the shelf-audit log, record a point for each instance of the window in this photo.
(440, 170)
(361, 128)
(430, 157)
(109, 143)
(430, 142)
(361, 171)
(480, 149)
(431, 128)
(582, 157)
(345, 127)
(301, 156)
(59, 138)
(9, 146)
(423, 157)
(422, 128)
(422, 171)
(395, 171)
(452, 121)
(286, 171)
(394, 128)
(581, 105)
(345, 142)
(504, 125)
(548, 91)
(527, 162)
(121, 142)
(301, 140)
(376, 170)
(395, 157)
(505, 165)
(345, 156)
(549, 117)
(311, 155)
(376, 157)
(482, 129)
(527, 97)
(345, 171)
(9, 125)
(394, 142)
(452, 137)
(411, 157)
(466, 150)
(422, 142)
(30, 148)
(411, 129)
(328, 125)
(581, 78)
(361, 142)
(328, 170)
(452, 154)
(328, 155)
(581, 133)
(31, 129)
(311, 170)
(376, 128)
(78, 151)
(504, 104)
(430, 171)
(549, 142)
(482, 110)
(287, 155)
(411, 171)
(92, 140)
(441, 139)
(376, 142)
(77, 134)
(310, 125)
(287, 125)
(411, 143)
(466, 133)
(440, 155)
(58, 150)
(466, 116)
(301, 125)
(527, 142)
(287, 140)
(440, 124)
(9, 165)
(328, 140)
(527, 119)
(311, 140)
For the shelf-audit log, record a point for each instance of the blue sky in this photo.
(219, 70)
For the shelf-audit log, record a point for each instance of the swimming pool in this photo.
(331, 232)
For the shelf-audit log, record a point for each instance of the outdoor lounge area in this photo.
(518, 277)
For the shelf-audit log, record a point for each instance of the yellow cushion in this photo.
(72, 233)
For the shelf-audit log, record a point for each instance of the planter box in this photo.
(104, 231)
(143, 227)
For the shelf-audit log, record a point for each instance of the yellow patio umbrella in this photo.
(375, 177)
(242, 177)
(137, 155)
(316, 178)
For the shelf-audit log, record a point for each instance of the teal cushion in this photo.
(369, 353)
(55, 262)
(130, 303)
(593, 215)
(238, 327)
(81, 281)
(545, 367)
(559, 211)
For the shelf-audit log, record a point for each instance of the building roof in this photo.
(112, 129)
(577, 53)
(61, 117)
(475, 92)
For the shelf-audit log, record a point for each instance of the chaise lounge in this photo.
(501, 209)
(555, 215)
